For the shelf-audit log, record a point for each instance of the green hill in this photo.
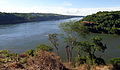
(103, 22)
(12, 18)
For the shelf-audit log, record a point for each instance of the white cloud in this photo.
(3, 2)
(65, 3)
(64, 8)
(59, 10)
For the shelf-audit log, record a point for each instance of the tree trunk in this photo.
(67, 53)
(70, 52)
(57, 51)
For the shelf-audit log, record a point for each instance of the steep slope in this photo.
(41, 61)
(103, 22)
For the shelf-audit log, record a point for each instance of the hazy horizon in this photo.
(65, 7)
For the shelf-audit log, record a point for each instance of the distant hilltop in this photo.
(14, 18)
(102, 22)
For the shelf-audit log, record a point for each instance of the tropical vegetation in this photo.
(101, 22)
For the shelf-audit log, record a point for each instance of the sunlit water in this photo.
(21, 37)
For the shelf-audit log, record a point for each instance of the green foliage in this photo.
(86, 46)
(67, 26)
(80, 29)
(115, 61)
(4, 51)
(30, 52)
(70, 40)
(44, 47)
(23, 61)
(6, 56)
(80, 60)
(103, 22)
(89, 48)
(99, 45)
(74, 27)
(54, 41)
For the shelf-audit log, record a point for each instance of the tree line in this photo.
(102, 22)
(12, 18)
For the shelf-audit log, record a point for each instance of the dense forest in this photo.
(101, 22)
(86, 50)
(11, 18)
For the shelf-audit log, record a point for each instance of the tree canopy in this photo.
(101, 22)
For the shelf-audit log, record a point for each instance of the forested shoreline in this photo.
(14, 18)
(101, 22)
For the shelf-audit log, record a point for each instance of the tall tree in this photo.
(70, 40)
(54, 41)
(90, 48)
(69, 37)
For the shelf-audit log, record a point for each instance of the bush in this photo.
(80, 60)
(44, 47)
(116, 63)
(44, 61)
(30, 52)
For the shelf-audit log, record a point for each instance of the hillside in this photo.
(103, 22)
(12, 18)
(42, 60)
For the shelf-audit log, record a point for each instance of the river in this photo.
(21, 37)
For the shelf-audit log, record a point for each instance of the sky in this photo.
(66, 7)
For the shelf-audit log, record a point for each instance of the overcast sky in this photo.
(67, 7)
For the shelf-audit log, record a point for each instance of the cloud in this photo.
(59, 10)
(3, 2)
(65, 3)
(85, 11)
(63, 8)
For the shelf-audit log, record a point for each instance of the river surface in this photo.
(21, 37)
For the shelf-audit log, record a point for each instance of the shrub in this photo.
(116, 63)
(30, 52)
(44, 47)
